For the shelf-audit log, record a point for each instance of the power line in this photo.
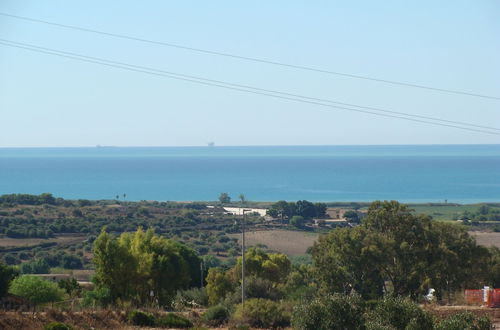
(248, 87)
(253, 59)
(297, 98)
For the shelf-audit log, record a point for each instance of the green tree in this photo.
(219, 284)
(297, 221)
(137, 264)
(36, 289)
(7, 274)
(224, 198)
(352, 216)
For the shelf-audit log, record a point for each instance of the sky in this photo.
(49, 101)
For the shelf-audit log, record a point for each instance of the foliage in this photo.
(141, 318)
(194, 297)
(400, 313)
(329, 312)
(39, 266)
(172, 320)
(136, 264)
(224, 198)
(303, 208)
(99, 297)
(465, 320)
(352, 216)
(71, 286)
(219, 284)
(261, 313)
(271, 266)
(7, 274)
(56, 326)
(297, 221)
(25, 199)
(36, 289)
(216, 315)
(409, 251)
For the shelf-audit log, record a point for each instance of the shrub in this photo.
(261, 313)
(36, 289)
(172, 320)
(191, 297)
(399, 313)
(141, 318)
(216, 315)
(465, 320)
(336, 311)
(56, 326)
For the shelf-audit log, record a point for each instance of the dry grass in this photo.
(63, 239)
(289, 242)
(486, 238)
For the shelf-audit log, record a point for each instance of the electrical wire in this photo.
(253, 59)
(269, 93)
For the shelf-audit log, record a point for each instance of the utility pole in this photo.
(243, 224)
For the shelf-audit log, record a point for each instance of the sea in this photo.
(407, 173)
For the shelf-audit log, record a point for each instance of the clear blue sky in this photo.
(51, 101)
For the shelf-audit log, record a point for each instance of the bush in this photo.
(337, 311)
(399, 313)
(36, 289)
(261, 313)
(172, 320)
(216, 315)
(56, 326)
(141, 318)
(465, 320)
(194, 297)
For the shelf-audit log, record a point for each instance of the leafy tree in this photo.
(408, 251)
(352, 216)
(465, 320)
(297, 221)
(242, 198)
(39, 266)
(135, 264)
(36, 289)
(262, 313)
(7, 274)
(272, 266)
(224, 198)
(219, 284)
(71, 286)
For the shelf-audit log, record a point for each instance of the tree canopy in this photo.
(137, 265)
(409, 251)
(36, 289)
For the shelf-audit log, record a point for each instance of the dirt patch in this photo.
(289, 242)
(486, 238)
(63, 239)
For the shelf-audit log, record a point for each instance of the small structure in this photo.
(485, 297)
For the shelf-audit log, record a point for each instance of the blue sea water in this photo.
(417, 173)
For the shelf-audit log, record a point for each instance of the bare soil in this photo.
(289, 242)
(63, 239)
(486, 238)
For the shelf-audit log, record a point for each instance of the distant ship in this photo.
(211, 144)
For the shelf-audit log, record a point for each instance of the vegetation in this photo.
(305, 209)
(36, 290)
(261, 313)
(7, 274)
(408, 251)
(141, 267)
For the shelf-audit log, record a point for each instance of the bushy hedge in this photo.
(399, 313)
(172, 320)
(141, 318)
(336, 311)
(465, 320)
(216, 315)
(56, 326)
(261, 313)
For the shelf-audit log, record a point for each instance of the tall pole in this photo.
(243, 261)
(243, 224)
